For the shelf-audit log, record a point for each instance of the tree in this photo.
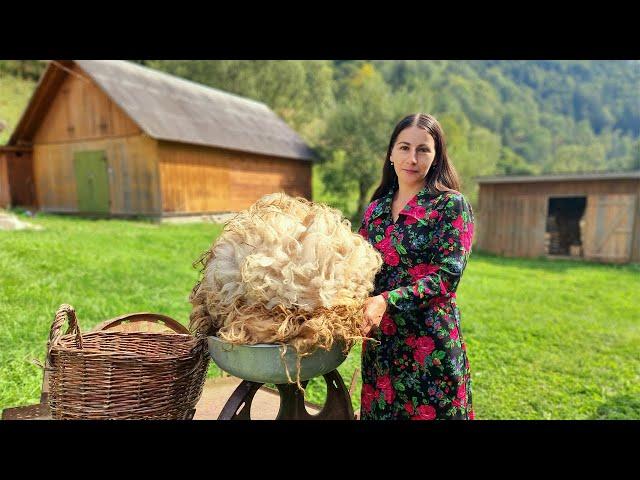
(24, 69)
(635, 165)
(354, 144)
(510, 163)
(577, 159)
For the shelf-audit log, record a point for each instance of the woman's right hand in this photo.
(374, 309)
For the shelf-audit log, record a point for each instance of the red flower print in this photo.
(444, 286)
(363, 232)
(387, 232)
(384, 245)
(426, 343)
(472, 415)
(438, 302)
(434, 214)
(411, 341)
(387, 325)
(425, 412)
(458, 223)
(392, 258)
(423, 348)
(410, 221)
(409, 408)
(454, 333)
(369, 394)
(384, 384)
(389, 254)
(377, 221)
(466, 238)
(418, 212)
(422, 270)
(456, 403)
(462, 391)
(369, 211)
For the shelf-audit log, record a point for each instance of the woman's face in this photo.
(412, 155)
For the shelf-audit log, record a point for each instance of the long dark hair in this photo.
(441, 176)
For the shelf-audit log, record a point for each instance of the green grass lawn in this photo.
(546, 339)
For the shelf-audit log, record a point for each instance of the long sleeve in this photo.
(437, 276)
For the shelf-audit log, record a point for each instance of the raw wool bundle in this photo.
(285, 271)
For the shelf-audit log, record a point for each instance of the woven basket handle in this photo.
(143, 318)
(65, 312)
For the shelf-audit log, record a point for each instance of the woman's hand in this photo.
(374, 308)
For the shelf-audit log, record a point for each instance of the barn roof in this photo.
(171, 108)
(559, 177)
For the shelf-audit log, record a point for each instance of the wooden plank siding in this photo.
(21, 179)
(80, 111)
(132, 168)
(635, 243)
(512, 217)
(609, 220)
(206, 180)
(516, 228)
(5, 192)
(82, 118)
(484, 229)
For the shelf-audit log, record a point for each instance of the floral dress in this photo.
(419, 370)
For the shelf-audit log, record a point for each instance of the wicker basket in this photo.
(123, 375)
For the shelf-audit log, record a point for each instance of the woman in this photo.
(417, 367)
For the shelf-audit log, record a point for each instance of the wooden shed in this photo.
(595, 216)
(115, 138)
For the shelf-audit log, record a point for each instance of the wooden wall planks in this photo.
(512, 217)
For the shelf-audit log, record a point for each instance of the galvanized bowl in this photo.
(263, 363)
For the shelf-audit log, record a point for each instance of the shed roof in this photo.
(564, 177)
(170, 108)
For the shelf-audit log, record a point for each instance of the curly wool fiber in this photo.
(286, 271)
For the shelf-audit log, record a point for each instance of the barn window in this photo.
(565, 226)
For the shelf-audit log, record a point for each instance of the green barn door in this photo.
(92, 181)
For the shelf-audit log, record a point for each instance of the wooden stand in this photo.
(292, 405)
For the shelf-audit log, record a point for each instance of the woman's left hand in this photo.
(374, 308)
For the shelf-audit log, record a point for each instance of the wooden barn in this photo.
(595, 216)
(115, 138)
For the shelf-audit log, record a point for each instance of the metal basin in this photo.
(263, 363)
